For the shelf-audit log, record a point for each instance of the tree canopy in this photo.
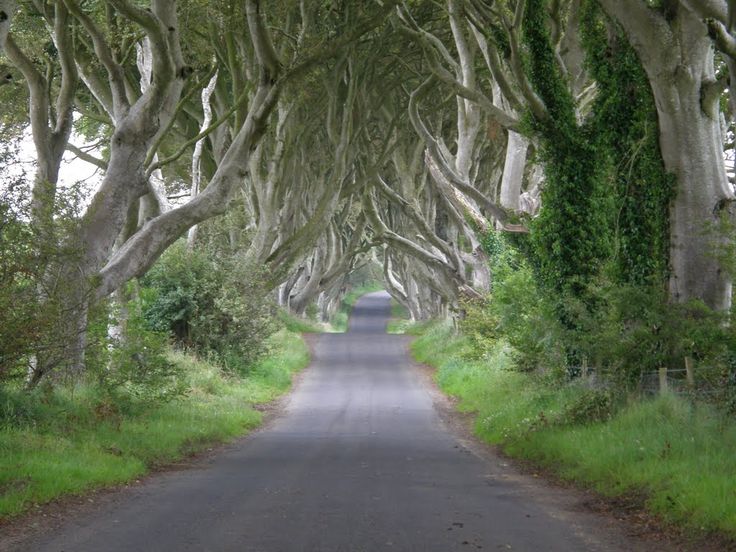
(334, 134)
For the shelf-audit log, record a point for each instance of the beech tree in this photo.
(675, 43)
(140, 120)
(396, 133)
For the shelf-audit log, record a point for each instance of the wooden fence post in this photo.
(689, 372)
(662, 379)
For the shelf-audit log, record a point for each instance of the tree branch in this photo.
(104, 53)
(85, 156)
(724, 40)
(261, 39)
(7, 11)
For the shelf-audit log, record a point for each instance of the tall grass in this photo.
(297, 324)
(65, 442)
(680, 456)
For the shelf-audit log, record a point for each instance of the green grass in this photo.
(399, 322)
(63, 442)
(678, 455)
(297, 324)
(339, 322)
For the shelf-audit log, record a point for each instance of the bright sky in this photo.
(73, 170)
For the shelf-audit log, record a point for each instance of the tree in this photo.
(677, 52)
(141, 120)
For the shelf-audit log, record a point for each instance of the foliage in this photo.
(625, 121)
(606, 198)
(215, 304)
(138, 369)
(180, 286)
(516, 311)
(636, 331)
(572, 233)
(633, 331)
(19, 320)
(590, 406)
(36, 301)
(610, 164)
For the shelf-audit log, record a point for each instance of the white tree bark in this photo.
(7, 11)
(198, 149)
(513, 171)
(50, 130)
(156, 181)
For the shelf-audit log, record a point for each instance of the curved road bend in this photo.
(359, 461)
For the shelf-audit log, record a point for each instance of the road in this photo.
(360, 460)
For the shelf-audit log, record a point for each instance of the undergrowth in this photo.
(677, 454)
(400, 321)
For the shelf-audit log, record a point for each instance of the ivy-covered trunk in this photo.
(678, 56)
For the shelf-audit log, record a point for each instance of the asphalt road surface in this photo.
(360, 460)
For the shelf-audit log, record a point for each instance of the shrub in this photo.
(247, 311)
(589, 406)
(516, 311)
(217, 304)
(636, 330)
(622, 331)
(35, 297)
(178, 292)
(480, 325)
(137, 371)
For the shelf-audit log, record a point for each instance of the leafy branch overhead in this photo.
(381, 133)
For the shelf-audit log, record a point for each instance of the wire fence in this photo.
(693, 381)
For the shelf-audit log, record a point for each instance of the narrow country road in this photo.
(359, 461)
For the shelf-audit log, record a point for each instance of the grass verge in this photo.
(297, 324)
(676, 454)
(60, 442)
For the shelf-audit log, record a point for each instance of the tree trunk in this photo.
(513, 171)
(677, 54)
(692, 149)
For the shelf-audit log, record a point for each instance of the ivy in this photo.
(605, 204)
(625, 119)
(607, 193)
(572, 235)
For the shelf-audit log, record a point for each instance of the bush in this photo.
(247, 312)
(218, 305)
(480, 325)
(178, 292)
(138, 370)
(516, 311)
(590, 406)
(635, 331)
(623, 333)
(35, 297)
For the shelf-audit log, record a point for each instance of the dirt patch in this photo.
(14, 485)
(626, 513)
